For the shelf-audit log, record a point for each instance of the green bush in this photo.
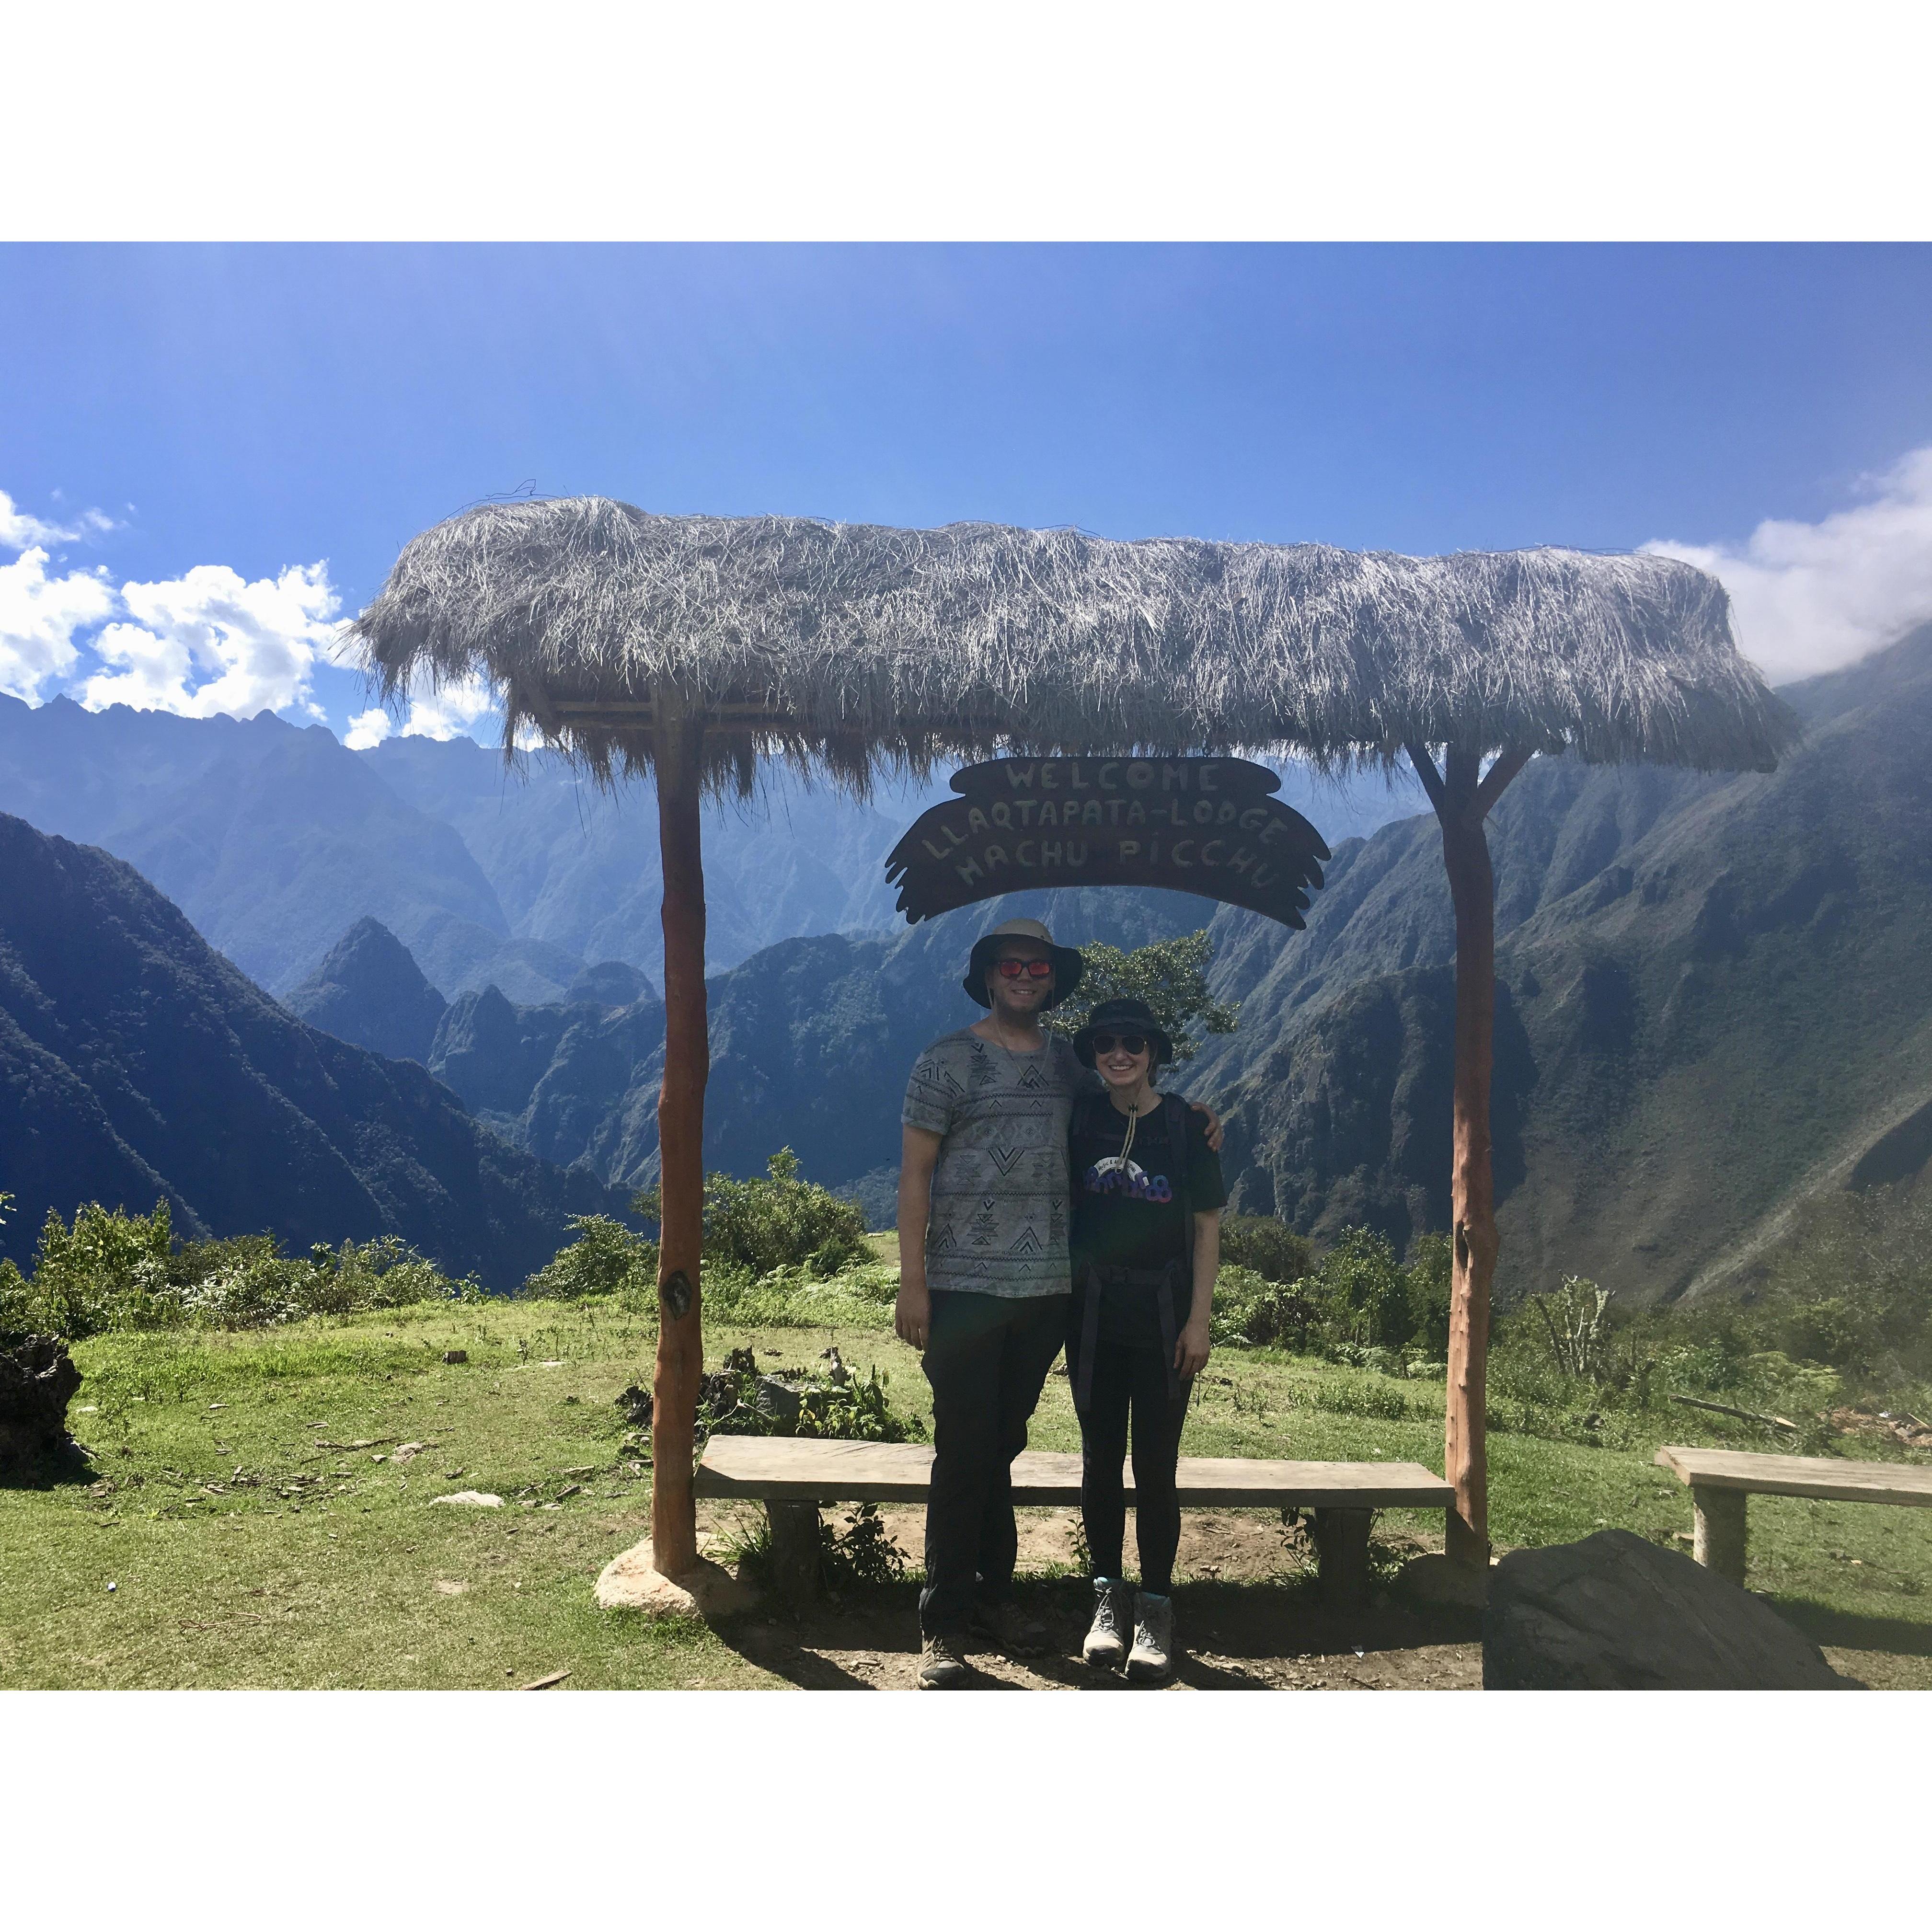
(1250, 1311)
(829, 1403)
(119, 1272)
(1265, 1247)
(777, 1223)
(605, 1259)
(1428, 1274)
(1362, 1296)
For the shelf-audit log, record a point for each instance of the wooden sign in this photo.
(1207, 826)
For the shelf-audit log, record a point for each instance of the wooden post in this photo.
(797, 1546)
(1342, 1558)
(680, 1362)
(1462, 796)
(1717, 1537)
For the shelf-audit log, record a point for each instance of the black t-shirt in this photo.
(1132, 1214)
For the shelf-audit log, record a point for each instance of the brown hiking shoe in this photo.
(1011, 1629)
(942, 1664)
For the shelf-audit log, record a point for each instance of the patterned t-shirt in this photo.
(999, 1191)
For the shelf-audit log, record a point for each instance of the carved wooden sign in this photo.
(1208, 825)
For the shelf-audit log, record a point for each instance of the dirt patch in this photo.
(1248, 1617)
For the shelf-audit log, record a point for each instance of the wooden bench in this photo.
(1721, 1480)
(793, 1477)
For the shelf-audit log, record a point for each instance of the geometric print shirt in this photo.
(998, 1224)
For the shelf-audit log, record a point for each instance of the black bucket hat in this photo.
(1123, 1016)
(1067, 965)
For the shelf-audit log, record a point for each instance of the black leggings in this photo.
(1131, 1381)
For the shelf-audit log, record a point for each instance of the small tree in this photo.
(1171, 975)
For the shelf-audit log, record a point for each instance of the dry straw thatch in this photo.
(853, 645)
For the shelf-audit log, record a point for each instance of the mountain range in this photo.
(1712, 996)
(1712, 1001)
(137, 1065)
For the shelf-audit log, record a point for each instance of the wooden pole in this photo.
(1462, 796)
(680, 736)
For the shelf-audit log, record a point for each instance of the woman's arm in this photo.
(1191, 1346)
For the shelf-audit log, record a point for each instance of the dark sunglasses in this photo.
(1127, 1042)
(1033, 969)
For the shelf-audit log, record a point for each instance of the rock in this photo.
(632, 1582)
(454, 1355)
(469, 1499)
(38, 1381)
(1615, 1612)
(407, 1452)
(1435, 1579)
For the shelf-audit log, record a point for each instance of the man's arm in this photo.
(1191, 1346)
(919, 1155)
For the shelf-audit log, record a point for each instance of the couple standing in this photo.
(1005, 1125)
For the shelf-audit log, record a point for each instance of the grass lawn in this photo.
(249, 1542)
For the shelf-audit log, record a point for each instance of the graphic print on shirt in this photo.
(1113, 1173)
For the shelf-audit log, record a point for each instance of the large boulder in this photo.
(38, 1381)
(1614, 1613)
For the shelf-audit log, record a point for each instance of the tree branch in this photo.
(1425, 769)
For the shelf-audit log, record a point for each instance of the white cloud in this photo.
(450, 711)
(18, 530)
(1811, 597)
(210, 642)
(39, 616)
(368, 729)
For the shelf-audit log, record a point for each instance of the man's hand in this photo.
(1191, 1349)
(1213, 1131)
(912, 1315)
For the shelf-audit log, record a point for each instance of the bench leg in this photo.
(1341, 1557)
(1718, 1543)
(795, 1550)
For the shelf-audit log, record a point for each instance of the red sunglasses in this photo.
(1033, 969)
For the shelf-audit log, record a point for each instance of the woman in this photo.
(1146, 1241)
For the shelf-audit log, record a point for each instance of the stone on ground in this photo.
(470, 1499)
(632, 1582)
(1615, 1612)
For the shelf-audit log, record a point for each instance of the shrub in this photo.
(1171, 975)
(1250, 1311)
(1265, 1247)
(605, 1257)
(107, 1271)
(828, 1403)
(1362, 1296)
(1429, 1275)
(779, 1221)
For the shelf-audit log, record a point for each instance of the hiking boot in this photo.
(1010, 1628)
(1106, 1645)
(942, 1664)
(1151, 1660)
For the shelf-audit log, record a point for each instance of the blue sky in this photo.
(261, 428)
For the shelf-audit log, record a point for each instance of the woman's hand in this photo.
(1191, 1349)
(912, 1314)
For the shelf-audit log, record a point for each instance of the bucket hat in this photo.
(1066, 964)
(1123, 1016)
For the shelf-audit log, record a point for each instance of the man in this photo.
(984, 1276)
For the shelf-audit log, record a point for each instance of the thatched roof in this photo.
(854, 644)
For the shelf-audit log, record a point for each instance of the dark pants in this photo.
(987, 1358)
(1130, 1380)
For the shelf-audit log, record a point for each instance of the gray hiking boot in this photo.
(1151, 1661)
(942, 1663)
(1106, 1645)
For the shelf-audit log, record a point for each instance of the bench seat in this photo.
(1719, 1480)
(794, 1476)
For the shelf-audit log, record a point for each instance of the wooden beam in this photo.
(1508, 762)
(1425, 769)
(680, 1359)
